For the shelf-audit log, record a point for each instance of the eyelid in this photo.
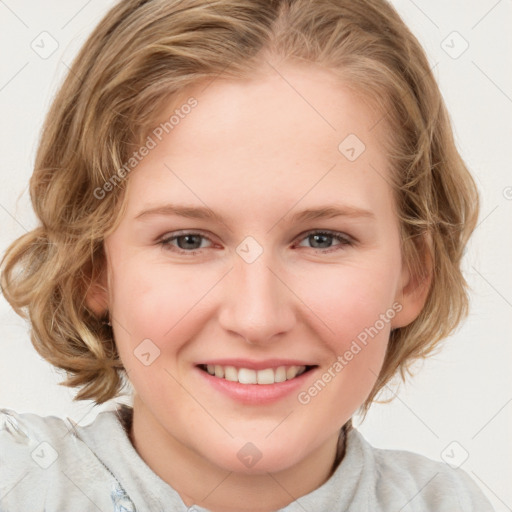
(343, 238)
(177, 234)
(330, 232)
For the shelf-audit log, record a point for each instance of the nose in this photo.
(258, 305)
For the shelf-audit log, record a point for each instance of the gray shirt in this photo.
(52, 465)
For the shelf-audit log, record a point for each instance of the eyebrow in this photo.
(200, 212)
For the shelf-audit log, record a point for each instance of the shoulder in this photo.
(27, 436)
(419, 483)
(43, 465)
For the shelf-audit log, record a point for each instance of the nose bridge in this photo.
(258, 304)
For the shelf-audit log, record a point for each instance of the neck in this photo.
(199, 482)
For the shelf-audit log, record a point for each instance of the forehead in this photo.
(293, 131)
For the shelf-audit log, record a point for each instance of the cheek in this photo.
(355, 309)
(351, 298)
(157, 309)
(159, 300)
(338, 303)
(154, 316)
(152, 298)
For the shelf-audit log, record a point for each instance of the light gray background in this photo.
(462, 398)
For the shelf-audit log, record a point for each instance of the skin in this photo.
(256, 152)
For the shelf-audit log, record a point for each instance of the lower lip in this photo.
(256, 393)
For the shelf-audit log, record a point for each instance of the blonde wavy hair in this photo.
(143, 54)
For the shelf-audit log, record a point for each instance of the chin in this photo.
(249, 459)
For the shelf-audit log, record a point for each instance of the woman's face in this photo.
(215, 267)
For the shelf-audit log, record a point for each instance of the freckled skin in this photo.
(255, 152)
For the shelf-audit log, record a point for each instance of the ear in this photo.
(415, 282)
(96, 297)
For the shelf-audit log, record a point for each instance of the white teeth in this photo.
(291, 372)
(280, 374)
(265, 376)
(248, 376)
(230, 373)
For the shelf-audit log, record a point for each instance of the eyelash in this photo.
(343, 239)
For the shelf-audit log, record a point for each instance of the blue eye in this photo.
(190, 243)
(322, 238)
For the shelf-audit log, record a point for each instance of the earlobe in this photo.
(414, 287)
(96, 297)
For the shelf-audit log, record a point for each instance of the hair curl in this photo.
(145, 53)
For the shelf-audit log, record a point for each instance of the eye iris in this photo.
(188, 238)
(315, 238)
(193, 241)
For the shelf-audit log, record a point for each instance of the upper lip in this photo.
(255, 365)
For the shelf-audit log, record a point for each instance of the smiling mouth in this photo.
(249, 376)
